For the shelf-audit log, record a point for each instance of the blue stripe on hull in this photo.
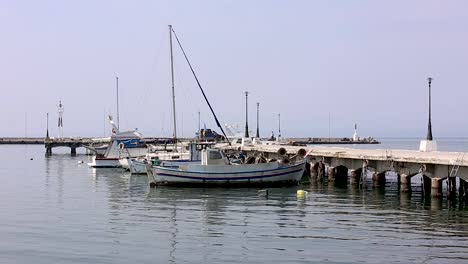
(239, 172)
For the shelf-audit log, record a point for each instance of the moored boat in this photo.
(216, 169)
(123, 144)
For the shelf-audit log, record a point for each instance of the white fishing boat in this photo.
(123, 144)
(184, 156)
(216, 169)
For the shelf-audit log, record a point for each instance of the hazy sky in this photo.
(311, 61)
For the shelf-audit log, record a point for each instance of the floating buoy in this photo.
(301, 193)
(31, 159)
(80, 162)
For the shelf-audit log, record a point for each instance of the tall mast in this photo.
(201, 89)
(118, 116)
(246, 135)
(174, 134)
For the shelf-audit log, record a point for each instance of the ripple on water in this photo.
(67, 213)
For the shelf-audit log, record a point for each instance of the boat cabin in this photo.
(211, 156)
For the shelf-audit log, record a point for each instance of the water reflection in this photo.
(118, 218)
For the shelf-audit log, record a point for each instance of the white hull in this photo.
(125, 163)
(139, 166)
(246, 174)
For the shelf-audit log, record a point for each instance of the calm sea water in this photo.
(56, 210)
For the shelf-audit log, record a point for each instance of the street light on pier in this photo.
(429, 144)
(258, 130)
(429, 125)
(246, 135)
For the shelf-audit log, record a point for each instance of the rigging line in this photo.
(201, 89)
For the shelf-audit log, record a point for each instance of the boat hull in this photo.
(139, 166)
(282, 175)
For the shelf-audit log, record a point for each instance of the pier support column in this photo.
(355, 176)
(451, 188)
(436, 187)
(331, 174)
(426, 184)
(307, 172)
(317, 171)
(314, 170)
(341, 175)
(405, 183)
(378, 178)
(463, 190)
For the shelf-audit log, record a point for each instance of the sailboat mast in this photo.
(174, 135)
(201, 89)
(118, 116)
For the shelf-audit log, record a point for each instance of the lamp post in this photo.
(246, 115)
(279, 125)
(258, 131)
(47, 134)
(429, 144)
(429, 125)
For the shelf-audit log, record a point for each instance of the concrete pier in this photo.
(432, 166)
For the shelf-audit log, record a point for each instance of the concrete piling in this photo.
(426, 184)
(436, 187)
(331, 173)
(341, 175)
(314, 170)
(405, 183)
(378, 179)
(451, 187)
(356, 176)
(463, 190)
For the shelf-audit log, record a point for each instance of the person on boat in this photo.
(242, 156)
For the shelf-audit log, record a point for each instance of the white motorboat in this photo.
(216, 169)
(123, 144)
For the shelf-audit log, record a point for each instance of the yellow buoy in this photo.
(301, 193)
